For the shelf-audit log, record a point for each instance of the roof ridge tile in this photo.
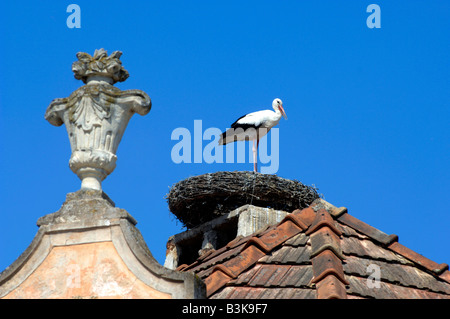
(182, 267)
(307, 215)
(323, 219)
(323, 239)
(330, 208)
(206, 254)
(325, 264)
(225, 270)
(296, 219)
(326, 255)
(232, 268)
(331, 287)
(216, 280)
(418, 259)
(258, 243)
(285, 230)
(367, 230)
(445, 276)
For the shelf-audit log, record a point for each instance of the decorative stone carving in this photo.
(96, 115)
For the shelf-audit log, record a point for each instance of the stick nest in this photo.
(199, 199)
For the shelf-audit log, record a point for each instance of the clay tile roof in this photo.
(320, 252)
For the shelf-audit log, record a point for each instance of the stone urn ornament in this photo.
(96, 115)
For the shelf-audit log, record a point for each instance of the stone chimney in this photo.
(89, 248)
(186, 247)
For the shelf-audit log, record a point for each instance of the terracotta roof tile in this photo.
(358, 287)
(297, 293)
(417, 258)
(367, 248)
(297, 219)
(182, 267)
(246, 258)
(269, 275)
(445, 276)
(350, 232)
(319, 252)
(307, 215)
(271, 293)
(331, 288)
(298, 240)
(289, 255)
(405, 275)
(286, 229)
(327, 257)
(241, 293)
(215, 259)
(216, 280)
(366, 229)
(323, 219)
(325, 239)
(298, 276)
(243, 257)
(325, 264)
(265, 293)
(286, 276)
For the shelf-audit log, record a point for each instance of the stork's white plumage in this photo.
(253, 126)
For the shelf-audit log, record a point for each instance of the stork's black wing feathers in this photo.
(235, 122)
(244, 126)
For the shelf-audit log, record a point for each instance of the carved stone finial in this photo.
(99, 65)
(96, 115)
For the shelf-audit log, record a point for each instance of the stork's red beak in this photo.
(283, 112)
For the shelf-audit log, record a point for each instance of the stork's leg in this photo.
(255, 164)
(257, 145)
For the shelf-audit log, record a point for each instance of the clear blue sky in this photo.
(368, 108)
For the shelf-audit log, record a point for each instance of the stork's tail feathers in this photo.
(227, 137)
(223, 139)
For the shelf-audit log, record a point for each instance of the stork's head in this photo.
(277, 105)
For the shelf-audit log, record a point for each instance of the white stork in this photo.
(253, 126)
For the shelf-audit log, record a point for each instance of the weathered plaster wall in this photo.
(84, 271)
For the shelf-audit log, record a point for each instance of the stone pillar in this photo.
(96, 115)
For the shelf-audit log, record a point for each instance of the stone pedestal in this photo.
(91, 249)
